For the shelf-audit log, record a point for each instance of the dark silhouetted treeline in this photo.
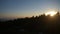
(35, 25)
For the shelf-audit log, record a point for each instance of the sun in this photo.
(51, 13)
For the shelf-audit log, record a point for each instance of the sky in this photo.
(26, 8)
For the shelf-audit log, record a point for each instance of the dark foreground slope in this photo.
(34, 25)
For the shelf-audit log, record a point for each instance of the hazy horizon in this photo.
(26, 8)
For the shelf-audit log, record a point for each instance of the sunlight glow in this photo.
(51, 13)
